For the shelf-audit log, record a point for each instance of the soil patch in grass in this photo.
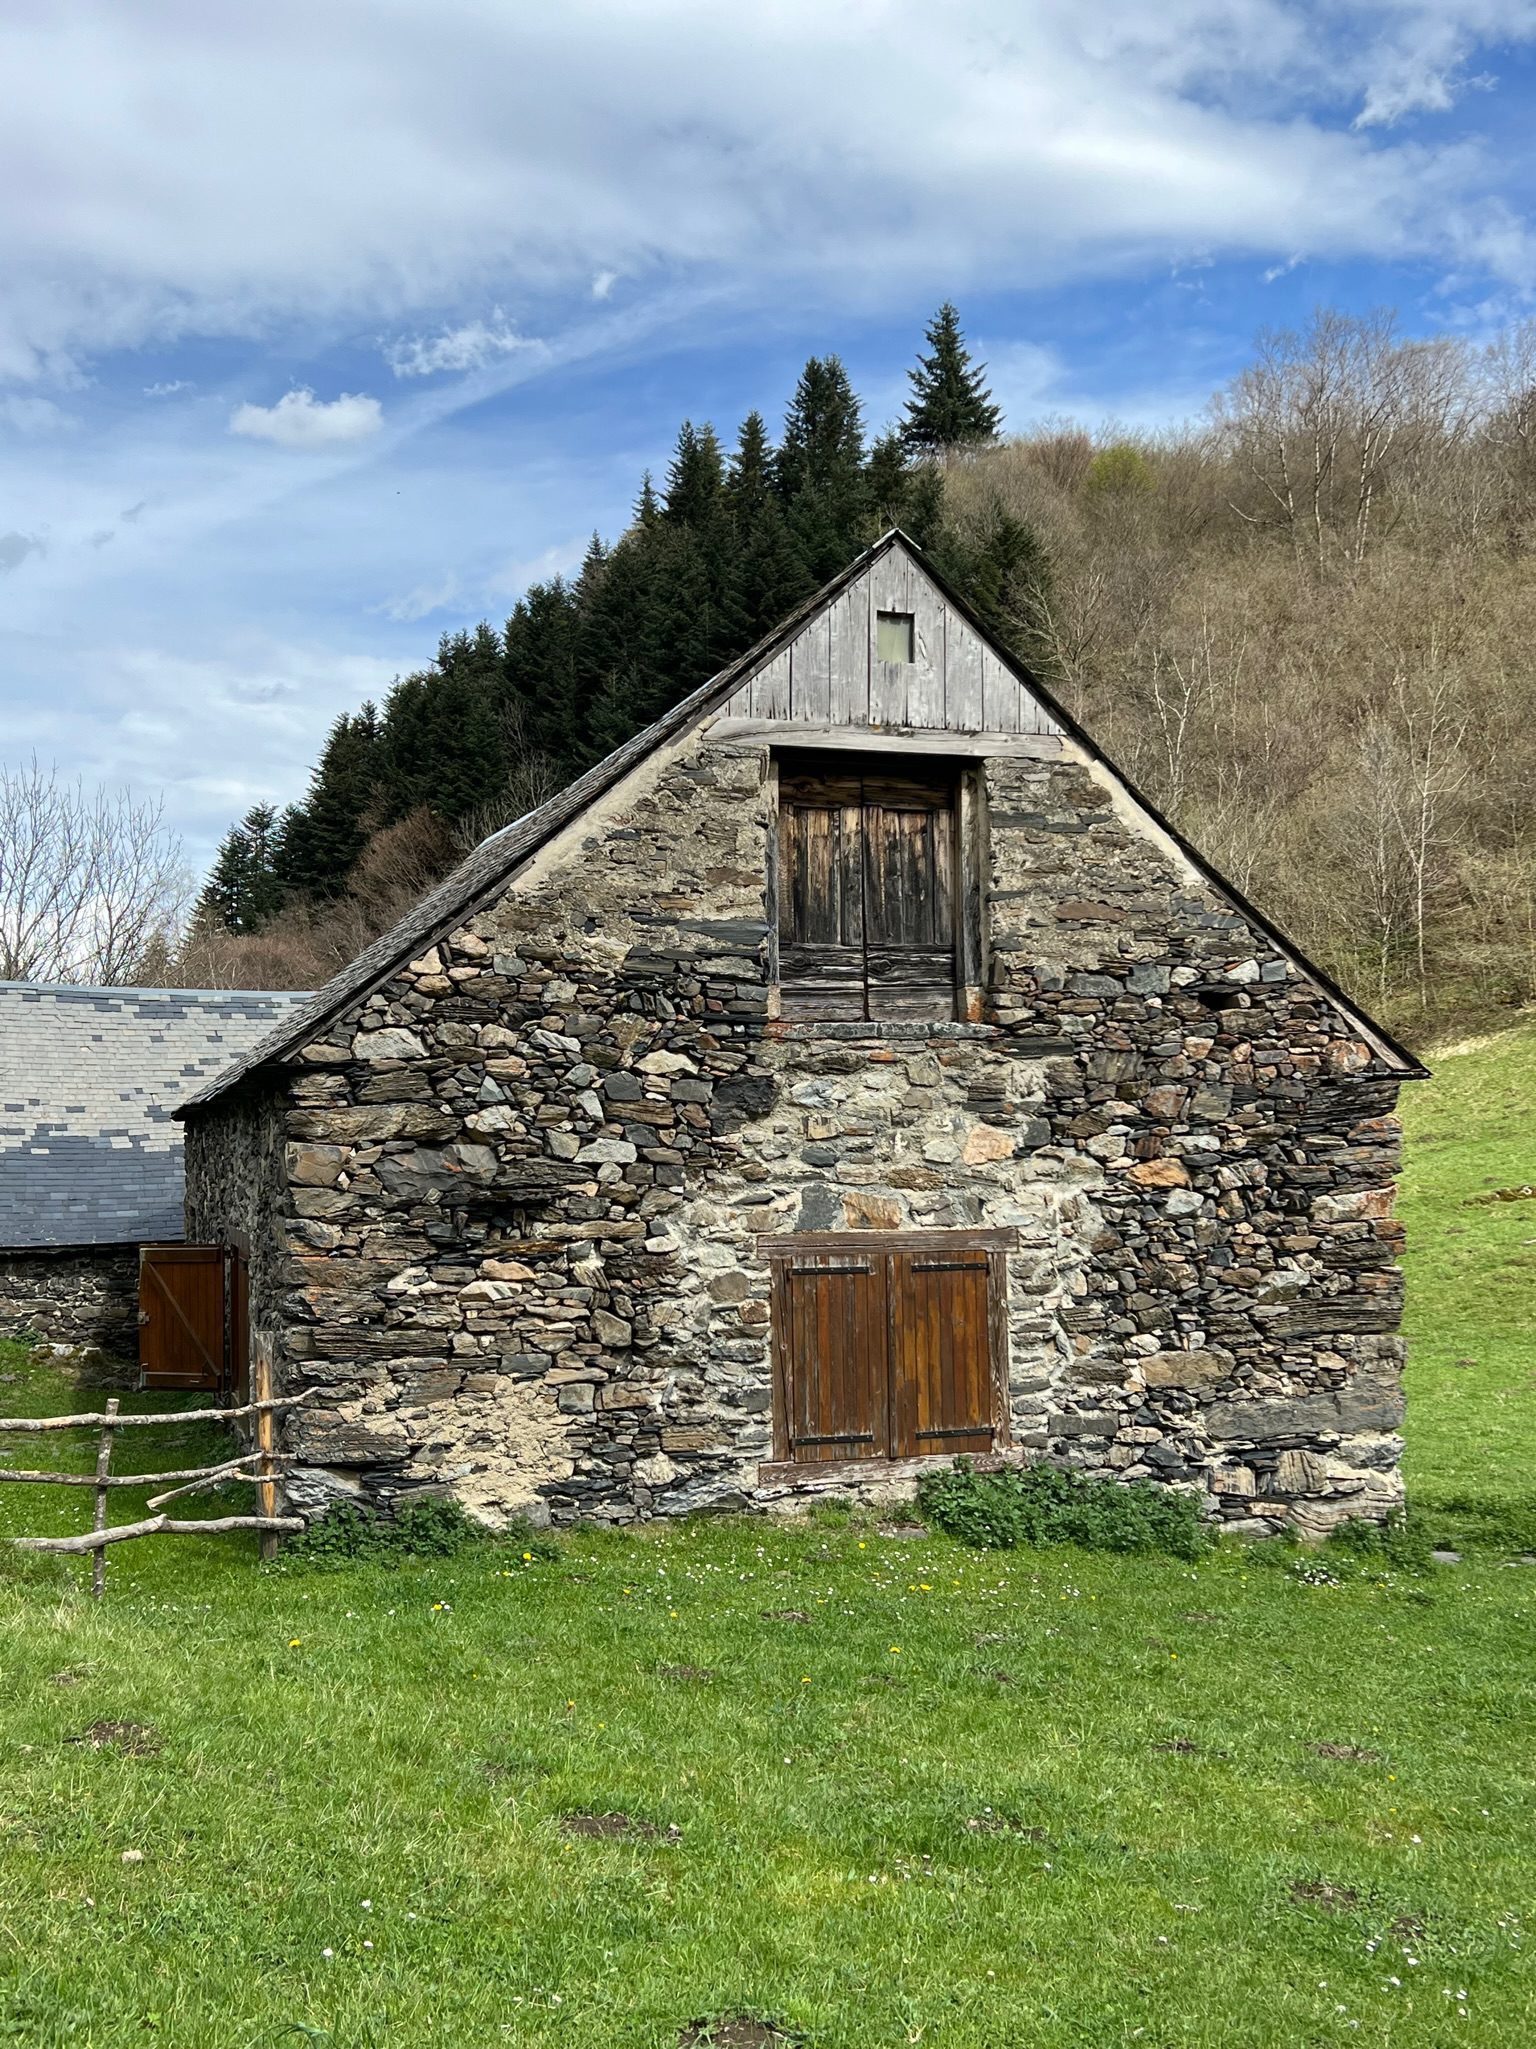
(615, 1825)
(785, 1615)
(133, 1739)
(739, 2032)
(1318, 1892)
(686, 1675)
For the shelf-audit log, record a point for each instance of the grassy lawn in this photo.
(879, 1789)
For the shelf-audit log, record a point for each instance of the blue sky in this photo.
(325, 327)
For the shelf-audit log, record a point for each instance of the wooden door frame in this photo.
(779, 1248)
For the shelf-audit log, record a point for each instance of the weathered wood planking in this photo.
(831, 671)
(852, 655)
(810, 670)
(866, 924)
(887, 1346)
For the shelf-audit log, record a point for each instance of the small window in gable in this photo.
(894, 636)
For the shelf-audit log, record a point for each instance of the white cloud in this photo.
(146, 193)
(1419, 66)
(300, 420)
(26, 413)
(169, 388)
(469, 347)
(604, 283)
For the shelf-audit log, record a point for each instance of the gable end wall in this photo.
(515, 1228)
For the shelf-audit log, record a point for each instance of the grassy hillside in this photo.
(862, 1784)
(1471, 1132)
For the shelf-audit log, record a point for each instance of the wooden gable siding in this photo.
(831, 672)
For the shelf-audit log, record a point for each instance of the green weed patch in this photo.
(1045, 1504)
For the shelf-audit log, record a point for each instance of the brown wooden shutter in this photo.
(909, 904)
(182, 1316)
(830, 1356)
(821, 897)
(943, 1387)
(866, 910)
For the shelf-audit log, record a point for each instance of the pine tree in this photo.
(820, 470)
(771, 576)
(647, 508)
(539, 661)
(242, 891)
(950, 406)
(321, 838)
(695, 478)
(443, 739)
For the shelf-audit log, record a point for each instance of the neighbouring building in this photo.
(849, 1072)
(90, 1156)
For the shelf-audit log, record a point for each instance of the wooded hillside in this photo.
(1301, 626)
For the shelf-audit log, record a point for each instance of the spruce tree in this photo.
(539, 661)
(695, 477)
(321, 838)
(242, 891)
(950, 406)
(821, 476)
(771, 576)
(442, 739)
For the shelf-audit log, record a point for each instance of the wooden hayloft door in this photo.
(888, 1347)
(866, 911)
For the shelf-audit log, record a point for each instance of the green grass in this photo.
(1471, 1267)
(976, 1799)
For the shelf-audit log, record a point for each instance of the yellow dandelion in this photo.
(294, 1642)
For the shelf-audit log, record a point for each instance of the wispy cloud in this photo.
(300, 420)
(469, 347)
(422, 600)
(169, 387)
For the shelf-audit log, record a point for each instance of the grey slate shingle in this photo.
(89, 1152)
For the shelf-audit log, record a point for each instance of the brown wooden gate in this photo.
(887, 1345)
(192, 1310)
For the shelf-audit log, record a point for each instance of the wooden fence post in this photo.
(266, 1437)
(103, 1460)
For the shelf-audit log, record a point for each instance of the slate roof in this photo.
(481, 878)
(89, 1154)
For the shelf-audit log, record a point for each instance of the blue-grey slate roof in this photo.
(89, 1153)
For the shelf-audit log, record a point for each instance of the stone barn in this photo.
(90, 1155)
(850, 1072)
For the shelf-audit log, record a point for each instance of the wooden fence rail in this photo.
(265, 1459)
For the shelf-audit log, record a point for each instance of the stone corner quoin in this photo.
(503, 1213)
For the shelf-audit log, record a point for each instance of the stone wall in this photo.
(81, 1297)
(524, 1179)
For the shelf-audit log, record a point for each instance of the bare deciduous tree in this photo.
(92, 885)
